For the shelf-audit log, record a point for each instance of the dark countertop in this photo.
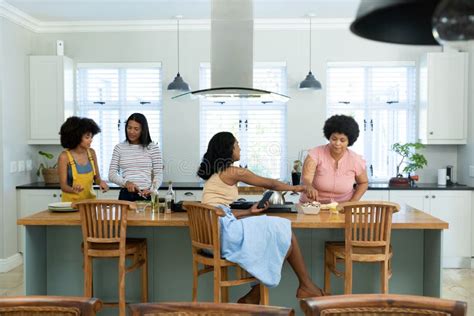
(199, 186)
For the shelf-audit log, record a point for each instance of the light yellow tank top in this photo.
(218, 192)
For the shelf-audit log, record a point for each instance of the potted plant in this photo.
(48, 168)
(413, 161)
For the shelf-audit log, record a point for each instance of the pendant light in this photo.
(453, 21)
(178, 82)
(310, 82)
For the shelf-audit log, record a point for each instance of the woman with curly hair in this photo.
(77, 165)
(259, 244)
(330, 171)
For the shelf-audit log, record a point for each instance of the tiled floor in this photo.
(458, 284)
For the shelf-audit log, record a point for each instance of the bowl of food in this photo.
(309, 208)
(142, 205)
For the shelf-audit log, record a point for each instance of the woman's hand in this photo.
(131, 187)
(298, 188)
(77, 188)
(103, 186)
(255, 210)
(311, 193)
(145, 193)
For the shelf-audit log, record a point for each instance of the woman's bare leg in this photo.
(306, 286)
(252, 297)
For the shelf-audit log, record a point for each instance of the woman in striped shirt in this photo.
(136, 164)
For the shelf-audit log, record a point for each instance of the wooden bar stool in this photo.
(368, 226)
(206, 246)
(49, 306)
(104, 231)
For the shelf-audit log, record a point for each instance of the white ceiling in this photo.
(136, 10)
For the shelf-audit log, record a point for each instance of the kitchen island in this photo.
(53, 259)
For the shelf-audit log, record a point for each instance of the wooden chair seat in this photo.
(49, 306)
(381, 305)
(367, 232)
(207, 309)
(104, 233)
(205, 240)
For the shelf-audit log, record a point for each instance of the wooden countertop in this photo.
(408, 218)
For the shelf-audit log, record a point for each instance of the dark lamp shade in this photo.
(310, 82)
(396, 21)
(178, 84)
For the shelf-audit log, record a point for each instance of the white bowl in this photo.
(312, 209)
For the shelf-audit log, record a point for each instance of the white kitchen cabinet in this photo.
(109, 195)
(443, 98)
(187, 195)
(375, 195)
(30, 202)
(451, 206)
(51, 97)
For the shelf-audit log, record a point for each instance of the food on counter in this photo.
(329, 206)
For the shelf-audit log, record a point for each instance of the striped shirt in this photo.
(136, 164)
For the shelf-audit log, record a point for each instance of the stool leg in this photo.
(122, 303)
(195, 280)
(217, 284)
(384, 276)
(264, 296)
(224, 289)
(327, 271)
(348, 276)
(88, 276)
(144, 274)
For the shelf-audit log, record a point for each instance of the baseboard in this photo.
(456, 262)
(11, 262)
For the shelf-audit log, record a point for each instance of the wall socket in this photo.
(29, 165)
(21, 165)
(471, 171)
(13, 166)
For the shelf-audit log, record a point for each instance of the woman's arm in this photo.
(254, 210)
(309, 170)
(114, 175)
(362, 181)
(233, 175)
(102, 184)
(62, 171)
(157, 163)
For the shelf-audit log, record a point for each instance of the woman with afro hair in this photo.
(77, 164)
(333, 172)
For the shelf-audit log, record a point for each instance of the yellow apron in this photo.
(84, 179)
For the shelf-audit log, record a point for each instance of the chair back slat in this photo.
(368, 223)
(104, 221)
(204, 226)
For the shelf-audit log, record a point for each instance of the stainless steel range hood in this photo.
(232, 32)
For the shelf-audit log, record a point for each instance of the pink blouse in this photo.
(334, 183)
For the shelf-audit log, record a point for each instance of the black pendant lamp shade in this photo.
(396, 21)
(178, 82)
(310, 81)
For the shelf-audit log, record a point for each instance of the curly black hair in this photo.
(342, 124)
(218, 156)
(74, 128)
(145, 138)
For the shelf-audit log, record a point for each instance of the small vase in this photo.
(295, 178)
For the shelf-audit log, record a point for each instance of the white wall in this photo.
(306, 109)
(14, 104)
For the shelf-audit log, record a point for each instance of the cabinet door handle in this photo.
(427, 196)
(431, 133)
(433, 196)
(188, 193)
(55, 195)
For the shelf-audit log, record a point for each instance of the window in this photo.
(109, 93)
(260, 128)
(381, 97)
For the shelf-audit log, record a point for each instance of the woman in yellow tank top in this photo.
(77, 164)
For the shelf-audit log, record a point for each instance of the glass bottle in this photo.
(169, 198)
(154, 198)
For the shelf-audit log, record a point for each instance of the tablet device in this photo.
(265, 198)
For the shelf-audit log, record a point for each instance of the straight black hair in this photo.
(218, 156)
(145, 138)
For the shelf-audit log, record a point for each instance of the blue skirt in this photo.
(259, 244)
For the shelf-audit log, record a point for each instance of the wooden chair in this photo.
(185, 308)
(104, 231)
(49, 306)
(381, 304)
(206, 247)
(368, 226)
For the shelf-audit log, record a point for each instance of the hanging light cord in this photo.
(310, 43)
(177, 22)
